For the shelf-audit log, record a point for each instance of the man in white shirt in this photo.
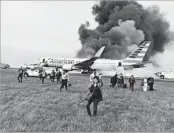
(65, 79)
(120, 72)
(120, 69)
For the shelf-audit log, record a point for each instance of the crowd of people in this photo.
(118, 80)
(62, 77)
(94, 93)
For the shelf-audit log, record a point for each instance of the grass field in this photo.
(34, 107)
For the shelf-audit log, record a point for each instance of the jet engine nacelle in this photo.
(68, 67)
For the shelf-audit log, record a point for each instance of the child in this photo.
(132, 82)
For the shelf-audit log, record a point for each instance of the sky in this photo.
(34, 29)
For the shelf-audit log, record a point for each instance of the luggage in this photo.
(125, 86)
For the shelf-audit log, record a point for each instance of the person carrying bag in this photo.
(94, 96)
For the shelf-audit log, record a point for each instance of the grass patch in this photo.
(33, 107)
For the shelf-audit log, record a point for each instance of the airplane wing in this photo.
(87, 63)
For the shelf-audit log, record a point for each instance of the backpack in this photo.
(58, 74)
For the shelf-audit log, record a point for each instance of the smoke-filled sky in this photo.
(34, 29)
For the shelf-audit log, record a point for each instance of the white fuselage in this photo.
(99, 64)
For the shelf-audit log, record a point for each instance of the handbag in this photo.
(89, 95)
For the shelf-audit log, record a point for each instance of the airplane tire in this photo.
(162, 76)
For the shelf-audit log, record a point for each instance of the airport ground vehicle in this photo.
(35, 72)
(165, 74)
(32, 73)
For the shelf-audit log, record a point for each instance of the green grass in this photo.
(34, 107)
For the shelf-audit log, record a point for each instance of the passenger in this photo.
(65, 79)
(150, 83)
(145, 85)
(25, 73)
(52, 77)
(120, 73)
(142, 83)
(113, 81)
(40, 74)
(21, 71)
(58, 75)
(132, 82)
(93, 75)
(43, 75)
(94, 95)
(100, 80)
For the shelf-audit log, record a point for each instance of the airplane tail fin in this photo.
(138, 55)
(98, 54)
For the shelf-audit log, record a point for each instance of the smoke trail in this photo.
(160, 62)
(121, 25)
(165, 61)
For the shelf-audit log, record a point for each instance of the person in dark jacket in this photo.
(150, 81)
(96, 96)
(52, 77)
(40, 74)
(58, 75)
(25, 73)
(21, 71)
(132, 82)
(113, 81)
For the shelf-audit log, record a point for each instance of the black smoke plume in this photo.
(122, 26)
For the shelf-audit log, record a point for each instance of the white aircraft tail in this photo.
(98, 54)
(138, 55)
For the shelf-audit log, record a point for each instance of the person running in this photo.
(94, 96)
(132, 82)
(21, 71)
(52, 77)
(65, 79)
(43, 75)
(58, 75)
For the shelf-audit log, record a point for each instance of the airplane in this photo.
(4, 66)
(134, 60)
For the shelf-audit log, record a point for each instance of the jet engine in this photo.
(68, 67)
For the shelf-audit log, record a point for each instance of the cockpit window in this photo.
(43, 60)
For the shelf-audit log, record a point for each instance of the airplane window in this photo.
(43, 60)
